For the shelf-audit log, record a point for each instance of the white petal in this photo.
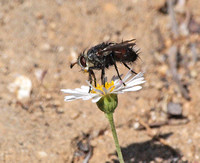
(105, 90)
(75, 92)
(127, 76)
(126, 88)
(78, 96)
(136, 88)
(119, 84)
(70, 98)
(139, 75)
(114, 78)
(96, 99)
(65, 90)
(110, 88)
(135, 80)
(86, 97)
(132, 82)
(135, 83)
(85, 87)
(69, 91)
(117, 92)
(82, 90)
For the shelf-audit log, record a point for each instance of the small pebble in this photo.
(42, 154)
(159, 85)
(184, 29)
(61, 49)
(53, 26)
(22, 86)
(153, 116)
(110, 8)
(93, 143)
(59, 2)
(174, 109)
(39, 15)
(193, 73)
(189, 141)
(56, 103)
(46, 47)
(136, 125)
(162, 70)
(180, 6)
(48, 96)
(74, 115)
(38, 73)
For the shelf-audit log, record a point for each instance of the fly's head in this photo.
(83, 62)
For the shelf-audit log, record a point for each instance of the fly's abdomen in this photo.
(126, 55)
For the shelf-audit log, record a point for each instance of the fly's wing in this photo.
(118, 47)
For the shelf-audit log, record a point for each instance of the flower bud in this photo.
(108, 103)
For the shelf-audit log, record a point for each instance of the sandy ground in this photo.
(39, 39)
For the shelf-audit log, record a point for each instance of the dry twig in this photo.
(173, 64)
(173, 51)
(173, 19)
(153, 135)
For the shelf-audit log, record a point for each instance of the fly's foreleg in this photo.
(95, 80)
(103, 76)
(90, 79)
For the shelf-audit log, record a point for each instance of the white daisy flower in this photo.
(116, 86)
(105, 96)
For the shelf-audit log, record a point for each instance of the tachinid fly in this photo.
(104, 55)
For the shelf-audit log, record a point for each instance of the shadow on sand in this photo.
(150, 151)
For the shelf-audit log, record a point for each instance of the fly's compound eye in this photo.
(82, 62)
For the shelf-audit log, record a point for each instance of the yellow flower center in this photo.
(107, 86)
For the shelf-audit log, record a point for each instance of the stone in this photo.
(174, 109)
(22, 86)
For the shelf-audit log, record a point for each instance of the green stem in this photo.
(112, 125)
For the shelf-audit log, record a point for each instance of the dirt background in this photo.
(39, 39)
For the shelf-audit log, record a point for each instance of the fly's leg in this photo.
(118, 73)
(117, 70)
(90, 79)
(103, 76)
(129, 68)
(95, 80)
(91, 74)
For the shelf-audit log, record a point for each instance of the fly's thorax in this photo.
(94, 60)
(91, 56)
(107, 53)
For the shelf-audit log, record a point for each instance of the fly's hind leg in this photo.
(117, 71)
(129, 68)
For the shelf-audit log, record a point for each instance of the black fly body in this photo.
(107, 54)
